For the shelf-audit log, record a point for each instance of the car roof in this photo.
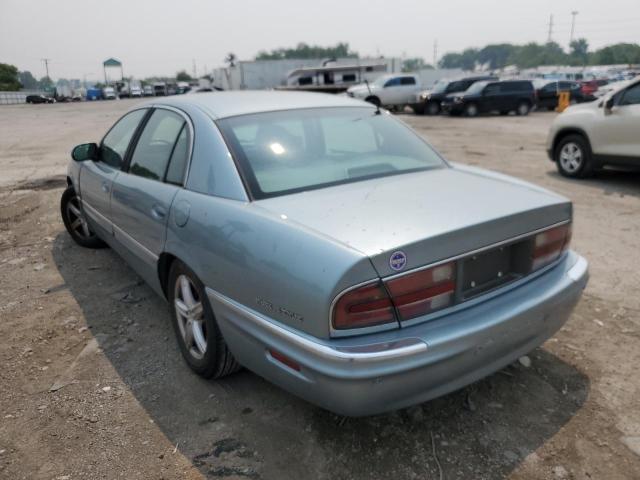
(233, 103)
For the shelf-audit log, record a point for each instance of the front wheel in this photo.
(573, 157)
(471, 110)
(373, 99)
(75, 221)
(432, 108)
(523, 108)
(199, 337)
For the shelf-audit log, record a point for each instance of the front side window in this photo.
(156, 144)
(631, 96)
(392, 82)
(407, 81)
(296, 150)
(116, 141)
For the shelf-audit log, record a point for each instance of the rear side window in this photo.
(407, 81)
(517, 86)
(156, 144)
(492, 89)
(178, 161)
(115, 143)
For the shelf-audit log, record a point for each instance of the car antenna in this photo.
(366, 82)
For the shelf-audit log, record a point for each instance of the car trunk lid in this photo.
(427, 217)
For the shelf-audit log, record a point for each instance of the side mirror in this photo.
(85, 151)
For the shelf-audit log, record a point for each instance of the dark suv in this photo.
(503, 97)
(547, 92)
(429, 101)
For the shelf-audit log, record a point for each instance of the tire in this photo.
(374, 100)
(471, 110)
(195, 326)
(75, 221)
(432, 108)
(573, 157)
(418, 109)
(523, 108)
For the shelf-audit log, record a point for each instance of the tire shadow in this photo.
(244, 427)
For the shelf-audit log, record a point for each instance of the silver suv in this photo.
(589, 136)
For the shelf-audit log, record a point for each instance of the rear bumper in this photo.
(394, 369)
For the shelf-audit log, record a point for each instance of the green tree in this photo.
(579, 54)
(27, 80)
(183, 76)
(620, 53)
(9, 77)
(496, 55)
(415, 64)
(304, 51)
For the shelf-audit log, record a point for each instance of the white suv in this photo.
(396, 90)
(604, 132)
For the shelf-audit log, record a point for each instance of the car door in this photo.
(491, 98)
(96, 176)
(143, 193)
(616, 132)
(391, 91)
(548, 95)
(408, 87)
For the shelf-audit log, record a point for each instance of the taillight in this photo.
(549, 245)
(423, 292)
(365, 306)
(412, 295)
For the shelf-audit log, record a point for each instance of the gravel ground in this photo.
(93, 386)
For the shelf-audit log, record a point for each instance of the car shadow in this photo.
(245, 427)
(609, 181)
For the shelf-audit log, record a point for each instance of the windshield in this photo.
(476, 87)
(295, 150)
(440, 86)
(380, 81)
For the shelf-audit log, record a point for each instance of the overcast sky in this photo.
(163, 36)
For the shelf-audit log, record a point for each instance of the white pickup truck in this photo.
(393, 90)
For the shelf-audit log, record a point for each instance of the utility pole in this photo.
(435, 54)
(550, 28)
(573, 25)
(46, 66)
(195, 75)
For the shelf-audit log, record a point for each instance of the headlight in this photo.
(424, 96)
(457, 100)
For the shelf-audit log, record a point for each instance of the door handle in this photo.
(158, 212)
(105, 187)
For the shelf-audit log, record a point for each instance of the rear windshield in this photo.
(295, 150)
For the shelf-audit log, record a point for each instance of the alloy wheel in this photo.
(571, 157)
(190, 316)
(77, 223)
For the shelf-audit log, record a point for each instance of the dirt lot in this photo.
(92, 384)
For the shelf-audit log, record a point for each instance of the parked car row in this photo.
(472, 96)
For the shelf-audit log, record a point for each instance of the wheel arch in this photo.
(565, 132)
(165, 260)
(373, 99)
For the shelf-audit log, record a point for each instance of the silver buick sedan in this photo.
(321, 243)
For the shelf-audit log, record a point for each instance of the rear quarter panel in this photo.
(264, 261)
